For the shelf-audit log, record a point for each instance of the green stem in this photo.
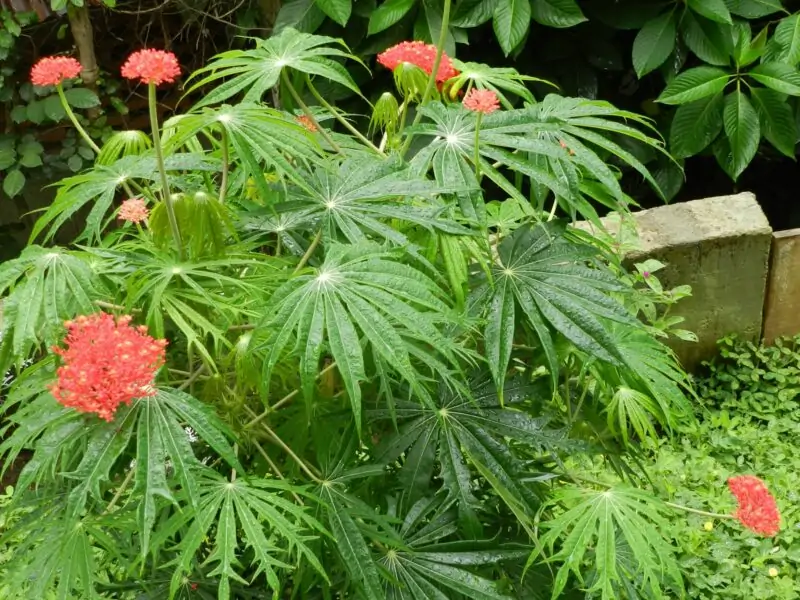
(223, 186)
(347, 125)
(120, 490)
(307, 112)
(432, 79)
(696, 511)
(477, 158)
(173, 221)
(74, 119)
(310, 251)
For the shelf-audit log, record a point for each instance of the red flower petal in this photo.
(133, 210)
(152, 66)
(106, 363)
(483, 101)
(52, 70)
(757, 509)
(420, 54)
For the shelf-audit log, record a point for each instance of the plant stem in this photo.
(477, 158)
(74, 119)
(307, 112)
(288, 397)
(432, 78)
(696, 511)
(120, 490)
(173, 221)
(310, 251)
(223, 185)
(335, 112)
(300, 462)
(193, 377)
(275, 468)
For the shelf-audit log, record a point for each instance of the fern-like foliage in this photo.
(600, 520)
(361, 296)
(39, 291)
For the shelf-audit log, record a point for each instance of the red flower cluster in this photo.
(307, 123)
(420, 54)
(52, 70)
(133, 210)
(757, 508)
(482, 101)
(107, 362)
(152, 66)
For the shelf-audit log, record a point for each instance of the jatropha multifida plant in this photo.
(293, 357)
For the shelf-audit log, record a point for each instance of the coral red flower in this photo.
(52, 70)
(307, 123)
(757, 510)
(152, 66)
(420, 54)
(134, 210)
(107, 362)
(482, 101)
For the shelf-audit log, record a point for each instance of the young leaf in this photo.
(511, 22)
(654, 43)
(742, 131)
(557, 13)
(694, 84)
(777, 122)
(695, 125)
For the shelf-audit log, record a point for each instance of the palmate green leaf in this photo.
(695, 84)
(41, 289)
(777, 122)
(742, 132)
(695, 125)
(251, 513)
(547, 277)
(357, 199)
(557, 13)
(360, 296)
(470, 431)
(565, 133)
(654, 43)
(264, 139)
(511, 21)
(254, 72)
(497, 79)
(597, 519)
(98, 188)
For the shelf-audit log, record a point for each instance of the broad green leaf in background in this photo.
(338, 10)
(716, 10)
(654, 43)
(81, 98)
(511, 22)
(302, 15)
(777, 121)
(695, 125)
(742, 130)
(387, 14)
(557, 13)
(753, 9)
(711, 41)
(13, 183)
(471, 13)
(694, 84)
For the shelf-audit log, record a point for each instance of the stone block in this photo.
(782, 308)
(720, 247)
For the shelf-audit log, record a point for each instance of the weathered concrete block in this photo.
(719, 246)
(782, 308)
